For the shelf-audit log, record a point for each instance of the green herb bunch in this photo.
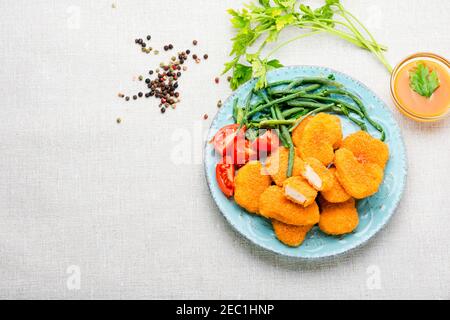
(265, 19)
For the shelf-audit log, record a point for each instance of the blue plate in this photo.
(374, 212)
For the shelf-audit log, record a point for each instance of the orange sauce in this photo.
(439, 102)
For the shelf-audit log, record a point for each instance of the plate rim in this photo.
(337, 252)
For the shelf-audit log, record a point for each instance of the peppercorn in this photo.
(194, 42)
(147, 81)
(194, 56)
(205, 56)
(135, 97)
(119, 120)
(205, 116)
(166, 48)
(127, 98)
(216, 80)
(163, 109)
(150, 72)
(219, 104)
(149, 37)
(188, 51)
(141, 78)
(170, 46)
(140, 94)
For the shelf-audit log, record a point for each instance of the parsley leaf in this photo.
(423, 81)
(241, 74)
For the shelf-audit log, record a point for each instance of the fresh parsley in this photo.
(423, 80)
(261, 22)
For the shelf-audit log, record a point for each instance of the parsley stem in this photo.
(304, 35)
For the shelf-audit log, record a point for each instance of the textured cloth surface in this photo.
(93, 209)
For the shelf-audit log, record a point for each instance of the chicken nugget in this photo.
(298, 190)
(290, 235)
(298, 132)
(338, 218)
(360, 180)
(317, 174)
(320, 136)
(274, 205)
(336, 193)
(250, 183)
(277, 165)
(366, 148)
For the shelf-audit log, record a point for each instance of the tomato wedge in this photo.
(225, 178)
(230, 143)
(266, 142)
(227, 137)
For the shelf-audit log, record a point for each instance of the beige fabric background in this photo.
(132, 213)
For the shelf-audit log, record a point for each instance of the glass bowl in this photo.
(403, 108)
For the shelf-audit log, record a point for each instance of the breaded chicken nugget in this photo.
(298, 132)
(274, 205)
(321, 135)
(277, 165)
(317, 174)
(360, 180)
(366, 148)
(290, 235)
(298, 190)
(337, 193)
(250, 183)
(338, 218)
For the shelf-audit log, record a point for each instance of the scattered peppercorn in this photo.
(164, 84)
(216, 80)
(219, 104)
(118, 120)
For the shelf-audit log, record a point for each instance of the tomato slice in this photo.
(244, 153)
(266, 142)
(225, 178)
(227, 137)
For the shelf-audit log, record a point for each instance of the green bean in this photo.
(273, 123)
(291, 111)
(276, 101)
(287, 136)
(306, 104)
(277, 127)
(349, 106)
(319, 80)
(278, 83)
(363, 109)
(306, 89)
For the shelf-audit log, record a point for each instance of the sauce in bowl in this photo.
(410, 102)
